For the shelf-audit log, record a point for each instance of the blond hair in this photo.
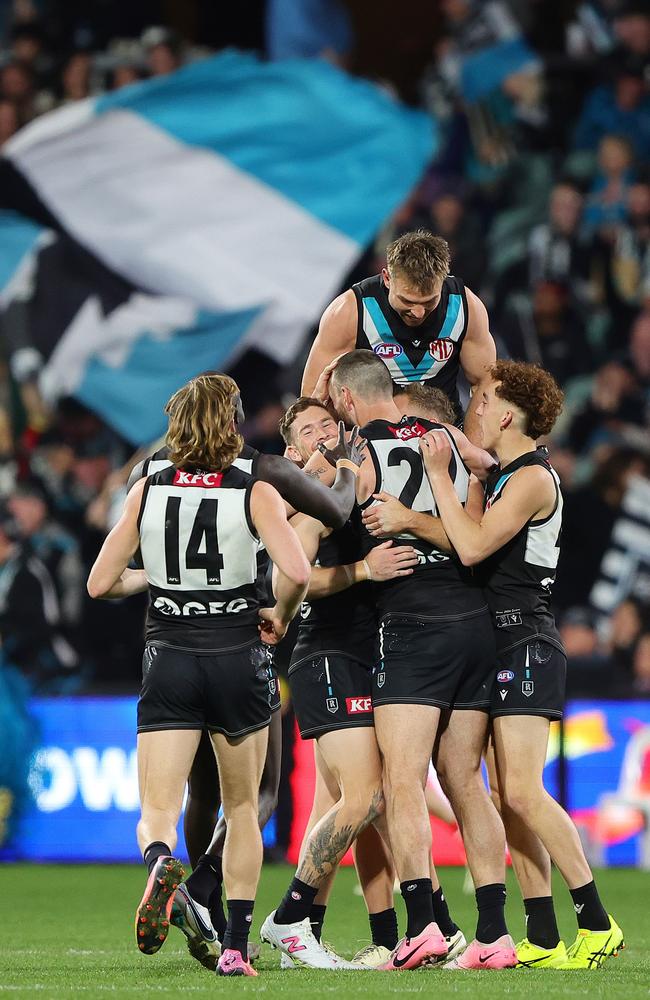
(202, 431)
(420, 257)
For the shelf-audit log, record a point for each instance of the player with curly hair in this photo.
(511, 531)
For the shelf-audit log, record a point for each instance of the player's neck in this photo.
(382, 410)
(513, 447)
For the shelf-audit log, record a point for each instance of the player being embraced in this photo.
(515, 543)
(198, 524)
(432, 682)
(330, 679)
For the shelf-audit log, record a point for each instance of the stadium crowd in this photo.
(541, 186)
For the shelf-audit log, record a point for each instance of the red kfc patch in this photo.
(408, 431)
(357, 705)
(203, 479)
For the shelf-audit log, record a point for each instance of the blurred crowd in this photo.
(541, 185)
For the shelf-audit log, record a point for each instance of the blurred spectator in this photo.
(17, 85)
(580, 636)
(615, 401)
(75, 78)
(124, 75)
(630, 261)
(606, 204)
(306, 29)
(621, 107)
(641, 666)
(631, 24)
(163, 50)
(545, 328)
(29, 615)
(57, 549)
(623, 630)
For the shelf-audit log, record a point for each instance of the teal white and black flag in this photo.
(164, 228)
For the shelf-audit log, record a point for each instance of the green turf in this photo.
(68, 931)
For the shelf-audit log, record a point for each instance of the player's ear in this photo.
(506, 420)
(292, 454)
(386, 276)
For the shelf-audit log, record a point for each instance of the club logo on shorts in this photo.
(527, 688)
(332, 705)
(272, 685)
(388, 351)
(441, 349)
(355, 705)
(381, 678)
(504, 676)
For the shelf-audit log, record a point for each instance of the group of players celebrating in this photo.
(419, 559)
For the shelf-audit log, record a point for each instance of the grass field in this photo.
(68, 931)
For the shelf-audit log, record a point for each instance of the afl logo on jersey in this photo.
(442, 349)
(504, 676)
(388, 351)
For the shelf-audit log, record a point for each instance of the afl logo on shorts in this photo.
(442, 349)
(388, 351)
(504, 676)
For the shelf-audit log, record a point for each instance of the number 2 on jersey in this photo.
(204, 528)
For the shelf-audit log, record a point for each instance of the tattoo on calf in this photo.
(328, 843)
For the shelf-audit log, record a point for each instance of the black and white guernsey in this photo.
(394, 449)
(200, 554)
(519, 576)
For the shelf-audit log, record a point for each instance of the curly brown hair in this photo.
(202, 431)
(533, 391)
(301, 404)
(420, 257)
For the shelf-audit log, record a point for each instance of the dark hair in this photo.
(420, 257)
(428, 401)
(365, 373)
(533, 390)
(301, 404)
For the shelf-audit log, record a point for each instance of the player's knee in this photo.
(522, 798)
(365, 803)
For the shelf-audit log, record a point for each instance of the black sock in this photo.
(206, 877)
(217, 915)
(317, 919)
(441, 914)
(417, 893)
(154, 851)
(297, 903)
(590, 912)
(240, 915)
(383, 928)
(541, 923)
(491, 900)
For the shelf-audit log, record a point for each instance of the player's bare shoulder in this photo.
(338, 323)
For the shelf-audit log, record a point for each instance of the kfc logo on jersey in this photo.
(197, 478)
(388, 351)
(408, 431)
(442, 349)
(356, 705)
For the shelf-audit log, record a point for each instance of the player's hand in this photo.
(322, 388)
(386, 517)
(436, 452)
(271, 627)
(387, 561)
(350, 449)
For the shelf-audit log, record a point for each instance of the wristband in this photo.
(366, 566)
(345, 463)
(349, 574)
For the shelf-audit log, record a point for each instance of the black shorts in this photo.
(530, 680)
(233, 693)
(330, 692)
(441, 662)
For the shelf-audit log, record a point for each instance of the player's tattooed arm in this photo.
(310, 493)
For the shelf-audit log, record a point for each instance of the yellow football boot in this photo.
(531, 956)
(592, 948)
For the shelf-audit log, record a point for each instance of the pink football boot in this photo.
(231, 963)
(411, 953)
(500, 954)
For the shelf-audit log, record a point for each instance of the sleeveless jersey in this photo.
(246, 461)
(429, 353)
(519, 576)
(199, 551)
(346, 622)
(440, 586)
